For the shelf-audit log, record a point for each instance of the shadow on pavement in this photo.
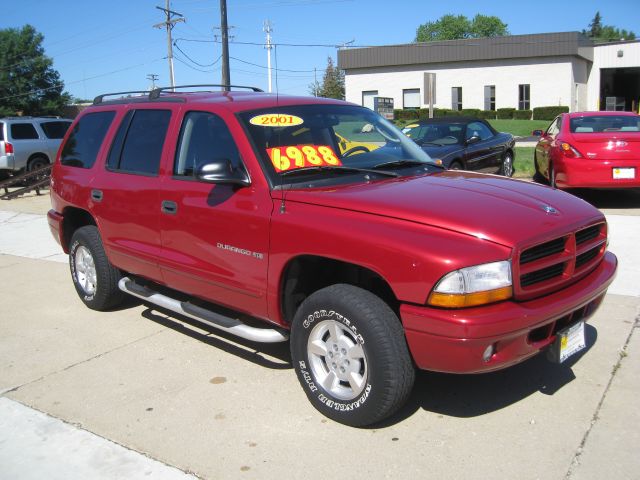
(257, 353)
(620, 199)
(465, 396)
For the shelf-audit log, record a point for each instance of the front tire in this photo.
(351, 356)
(507, 165)
(95, 279)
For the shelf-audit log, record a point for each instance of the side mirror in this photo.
(472, 140)
(537, 133)
(222, 171)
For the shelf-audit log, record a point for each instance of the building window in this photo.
(490, 97)
(524, 97)
(367, 98)
(456, 98)
(411, 98)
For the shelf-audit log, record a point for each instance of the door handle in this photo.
(96, 195)
(169, 207)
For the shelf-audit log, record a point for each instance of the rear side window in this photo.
(204, 137)
(81, 148)
(55, 130)
(23, 131)
(1, 131)
(137, 147)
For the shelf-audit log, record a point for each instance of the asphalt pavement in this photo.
(135, 393)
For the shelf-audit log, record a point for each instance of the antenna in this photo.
(267, 29)
(169, 23)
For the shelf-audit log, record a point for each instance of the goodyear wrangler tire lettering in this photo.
(351, 356)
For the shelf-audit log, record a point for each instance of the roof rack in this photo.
(100, 98)
(155, 93)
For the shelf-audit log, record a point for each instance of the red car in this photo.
(244, 212)
(590, 150)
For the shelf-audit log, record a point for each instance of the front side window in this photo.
(478, 129)
(23, 131)
(204, 137)
(137, 147)
(82, 145)
(524, 97)
(55, 130)
(328, 142)
(456, 98)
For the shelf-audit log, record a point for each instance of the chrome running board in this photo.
(221, 322)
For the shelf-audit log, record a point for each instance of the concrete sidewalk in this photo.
(223, 408)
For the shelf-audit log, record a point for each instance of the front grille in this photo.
(585, 257)
(543, 250)
(551, 265)
(587, 234)
(541, 275)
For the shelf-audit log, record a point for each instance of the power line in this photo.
(175, 44)
(168, 24)
(278, 69)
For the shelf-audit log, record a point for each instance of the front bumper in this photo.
(454, 340)
(586, 173)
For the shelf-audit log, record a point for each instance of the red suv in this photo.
(269, 216)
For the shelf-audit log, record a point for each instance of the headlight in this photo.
(471, 286)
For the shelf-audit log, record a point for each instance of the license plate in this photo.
(569, 342)
(621, 173)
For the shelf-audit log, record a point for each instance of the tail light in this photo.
(8, 148)
(569, 151)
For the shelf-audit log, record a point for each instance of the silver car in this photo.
(28, 143)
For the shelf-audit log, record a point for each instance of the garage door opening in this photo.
(620, 89)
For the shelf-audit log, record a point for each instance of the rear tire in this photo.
(351, 356)
(94, 278)
(455, 165)
(37, 162)
(507, 165)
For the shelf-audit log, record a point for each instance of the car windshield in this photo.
(437, 134)
(333, 141)
(605, 123)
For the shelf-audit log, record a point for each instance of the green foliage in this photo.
(487, 114)
(505, 113)
(405, 114)
(549, 113)
(522, 115)
(523, 162)
(519, 128)
(28, 81)
(332, 83)
(454, 27)
(606, 33)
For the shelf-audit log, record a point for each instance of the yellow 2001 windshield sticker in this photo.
(299, 156)
(276, 120)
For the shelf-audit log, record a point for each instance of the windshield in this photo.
(439, 134)
(329, 141)
(605, 123)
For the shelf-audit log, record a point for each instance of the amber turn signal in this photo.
(463, 300)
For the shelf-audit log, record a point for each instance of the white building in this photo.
(518, 71)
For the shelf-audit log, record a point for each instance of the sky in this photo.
(101, 47)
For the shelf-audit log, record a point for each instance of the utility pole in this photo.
(152, 77)
(267, 29)
(226, 76)
(169, 23)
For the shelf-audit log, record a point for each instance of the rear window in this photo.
(605, 123)
(55, 130)
(81, 148)
(23, 131)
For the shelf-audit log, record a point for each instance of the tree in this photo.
(332, 83)
(28, 82)
(454, 27)
(606, 33)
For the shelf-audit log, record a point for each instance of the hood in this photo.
(502, 210)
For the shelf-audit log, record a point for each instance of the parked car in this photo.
(237, 210)
(590, 149)
(29, 142)
(465, 143)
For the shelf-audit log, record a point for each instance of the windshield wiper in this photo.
(337, 168)
(404, 163)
